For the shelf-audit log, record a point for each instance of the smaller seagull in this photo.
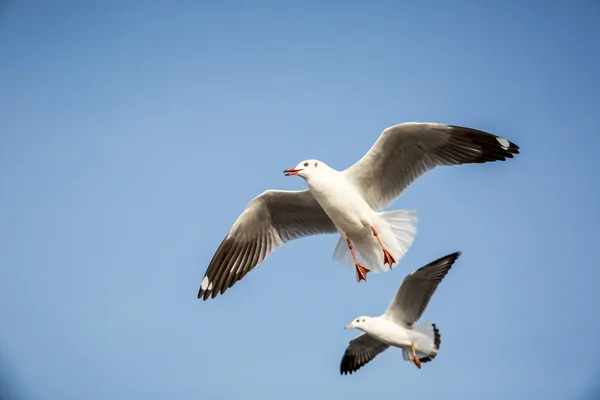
(395, 327)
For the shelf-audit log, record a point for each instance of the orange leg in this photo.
(361, 270)
(388, 258)
(416, 361)
(410, 358)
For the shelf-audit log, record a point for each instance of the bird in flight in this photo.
(395, 327)
(349, 202)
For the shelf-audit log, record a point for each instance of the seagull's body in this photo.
(340, 200)
(349, 202)
(395, 327)
(393, 334)
(357, 222)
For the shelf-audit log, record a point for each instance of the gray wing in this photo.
(416, 290)
(269, 220)
(406, 151)
(360, 351)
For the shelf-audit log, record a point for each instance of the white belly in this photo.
(350, 213)
(392, 334)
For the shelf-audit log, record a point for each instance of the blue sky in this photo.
(131, 137)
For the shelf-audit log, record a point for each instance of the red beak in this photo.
(291, 171)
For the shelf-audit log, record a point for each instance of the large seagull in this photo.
(350, 202)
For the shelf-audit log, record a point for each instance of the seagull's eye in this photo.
(357, 321)
(306, 164)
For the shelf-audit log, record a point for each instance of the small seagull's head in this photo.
(305, 169)
(358, 323)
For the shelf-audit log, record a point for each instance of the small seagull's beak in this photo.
(291, 171)
(348, 326)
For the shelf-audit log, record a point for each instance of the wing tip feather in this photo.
(350, 364)
(496, 147)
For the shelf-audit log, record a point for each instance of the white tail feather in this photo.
(342, 254)
(397, 230)
(427, 329)
(427, 346)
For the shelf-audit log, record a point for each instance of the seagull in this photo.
(349, 202)
(395, 327)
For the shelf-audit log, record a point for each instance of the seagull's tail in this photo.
(427, 347)
(397, 230)
(399, 233)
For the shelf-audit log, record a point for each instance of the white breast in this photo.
(389, 332)
(341, 201)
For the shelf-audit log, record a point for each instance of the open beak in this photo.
(291, 171)
(348, 326)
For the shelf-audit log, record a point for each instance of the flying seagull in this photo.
(349, 202)
(395, 327)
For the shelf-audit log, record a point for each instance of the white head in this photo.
(307, 168)
(359, 323)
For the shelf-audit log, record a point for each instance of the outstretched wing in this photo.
(360, 351)
(269, 220)
(406, 151)
(416, 290)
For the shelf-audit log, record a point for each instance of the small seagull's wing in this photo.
(416, 290)
(360, 351)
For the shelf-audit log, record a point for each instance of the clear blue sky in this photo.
(131, 138)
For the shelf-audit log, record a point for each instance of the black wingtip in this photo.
(347, 366)
(204, 294)
(437, 337)
(445, 260)
(351, 363)
(492, 147)
(450, 257)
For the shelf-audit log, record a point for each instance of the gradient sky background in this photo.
(132, 136)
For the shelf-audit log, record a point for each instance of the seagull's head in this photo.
(306, 169)
(358, 323)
